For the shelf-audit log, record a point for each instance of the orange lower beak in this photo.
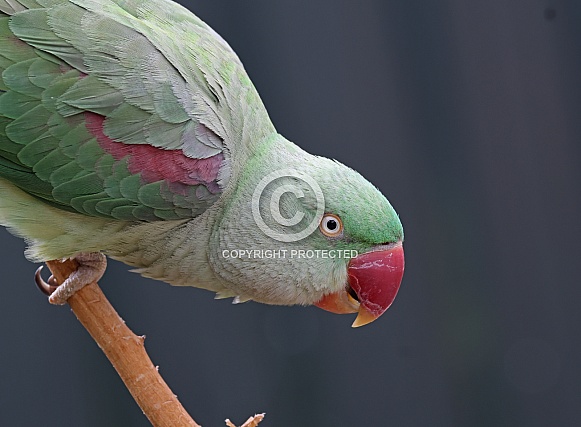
(372, 285)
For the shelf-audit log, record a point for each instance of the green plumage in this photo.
(131, 128)
(61, 60)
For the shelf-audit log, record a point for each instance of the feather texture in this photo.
(120, 109)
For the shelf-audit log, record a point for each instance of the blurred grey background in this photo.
(466, 114)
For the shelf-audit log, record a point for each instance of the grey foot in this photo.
(91, 268)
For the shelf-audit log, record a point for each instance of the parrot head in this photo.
(308, 230)
(359, 219)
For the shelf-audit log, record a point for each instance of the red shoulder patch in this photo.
(157, 164)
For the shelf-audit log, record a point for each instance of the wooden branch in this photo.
(250, 422)
(126, 352)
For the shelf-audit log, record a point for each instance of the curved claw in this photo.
(45, 288)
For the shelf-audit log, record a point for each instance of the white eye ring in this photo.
(331, 225)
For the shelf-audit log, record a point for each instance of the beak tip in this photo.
(363, 318)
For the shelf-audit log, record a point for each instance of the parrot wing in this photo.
(120, 109)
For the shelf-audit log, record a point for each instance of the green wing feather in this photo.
(85, 81)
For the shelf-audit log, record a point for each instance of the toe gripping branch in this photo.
(45, 288)
(89, 268)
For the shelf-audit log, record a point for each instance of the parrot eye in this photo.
(331, 225)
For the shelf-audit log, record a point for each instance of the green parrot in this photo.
(130, 129)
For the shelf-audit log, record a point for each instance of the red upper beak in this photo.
(372, 284)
